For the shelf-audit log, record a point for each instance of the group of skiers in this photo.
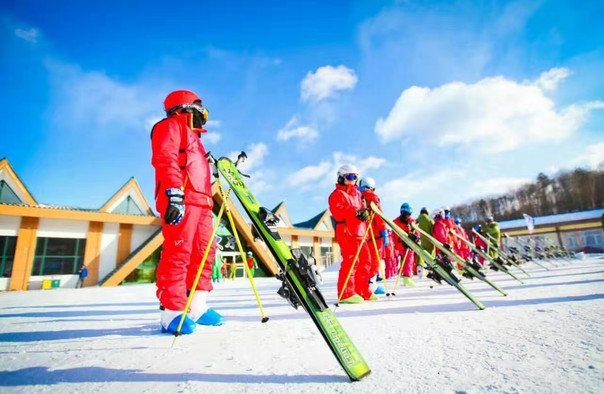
(365, 240)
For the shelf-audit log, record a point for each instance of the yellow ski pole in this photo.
(199, 271)
(225, 203)
(400, 271)
(377, 253)
(355, 259)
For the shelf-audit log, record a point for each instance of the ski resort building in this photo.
(576, 231)
(44, 246)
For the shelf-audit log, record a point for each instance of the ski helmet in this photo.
(367, 183)
(490, 219)
(424, 210)
(187, 102)
(457, 221)
(348, 172)
(249, 254)
(438, 214)
(478, 228)
(406, 208)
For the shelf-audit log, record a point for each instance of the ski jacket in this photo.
(378, 223)
(426, 224)
(344, 202)
(493, 231)
(441, 231)
(464, 248)
(400, 245)
(179, 161)
(480, 243)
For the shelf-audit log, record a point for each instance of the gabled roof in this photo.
(131, 190)
(552, 219)
(17, 186)
(281, 211)
(315, 222)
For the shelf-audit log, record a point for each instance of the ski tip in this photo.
(264, 319)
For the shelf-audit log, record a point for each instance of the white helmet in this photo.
(438, 214)
(367, 182)
(347, 169)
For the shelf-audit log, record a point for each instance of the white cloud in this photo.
(255, 156)
(417, 184)
(493, 186)
(94, 100)
(30, 35)
(293, 129)
(213, 123)
(212, 138)
(325, 173)
(593, 156)
(549, 79)
(326, 81)
(494, 114)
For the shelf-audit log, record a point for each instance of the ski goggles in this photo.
(350, 177)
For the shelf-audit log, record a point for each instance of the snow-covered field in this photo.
(545, 337)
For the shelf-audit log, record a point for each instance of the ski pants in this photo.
(358, 283)
(184, 246)
(408, 263)
(374, 264)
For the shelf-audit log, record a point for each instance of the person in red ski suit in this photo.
(441, 230)
(184, 201)
(350, 216)
(464, 249)
(391, 257)
(405, 221)
(367, 189)
(480, 243)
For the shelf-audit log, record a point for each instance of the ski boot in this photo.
(408, 282)
(201, 314)
(467, 274)
(354, 299)
(169, 321)
(379, 290)
(446, 265)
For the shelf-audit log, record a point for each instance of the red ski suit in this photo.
(344, 202)
(482, 245)
(441, 233)
(179, 161)
(464, 250)
(409, 262)
(378, 225)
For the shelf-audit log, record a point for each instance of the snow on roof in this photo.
(551, 219)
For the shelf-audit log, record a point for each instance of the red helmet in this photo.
(180, 97)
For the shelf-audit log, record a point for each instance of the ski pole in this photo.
(199, 271)
(400, 271)
(225, 203)
(377, 253)
(355, 259)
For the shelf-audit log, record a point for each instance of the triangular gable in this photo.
(281, 211)
(14, 185)
(324, 224)
(127, 200)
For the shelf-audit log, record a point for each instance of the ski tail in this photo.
(427, 257)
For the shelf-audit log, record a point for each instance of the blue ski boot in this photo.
(170, 320)
(201, 314)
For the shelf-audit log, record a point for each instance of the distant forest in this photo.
(568, 191)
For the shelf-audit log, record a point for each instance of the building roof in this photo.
(314, 222)
(551, 219)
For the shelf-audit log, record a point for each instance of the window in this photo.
(7, 255)
(7, 195)
(145, 272)
(307, 250)
(326, 256)
(58, 256)
(128, 206)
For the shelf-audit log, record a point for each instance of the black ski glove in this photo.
(176, 206)
(363, 215)
(447, 246)
(413, 237)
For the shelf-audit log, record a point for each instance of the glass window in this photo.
(307, 250)
(58, 256)
(326, 256)
(7, 255)
(7, 195)
(128, 206)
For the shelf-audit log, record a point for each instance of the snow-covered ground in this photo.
(545, 337)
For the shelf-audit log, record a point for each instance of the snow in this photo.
(545, 337)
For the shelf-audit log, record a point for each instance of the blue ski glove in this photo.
(384, 235)
(176, 206)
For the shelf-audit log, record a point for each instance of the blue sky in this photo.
(440, 102)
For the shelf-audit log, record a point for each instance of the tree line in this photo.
(567, 191)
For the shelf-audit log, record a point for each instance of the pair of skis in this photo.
(299, 283)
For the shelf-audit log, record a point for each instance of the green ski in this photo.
(434, 266)
(299, 285)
